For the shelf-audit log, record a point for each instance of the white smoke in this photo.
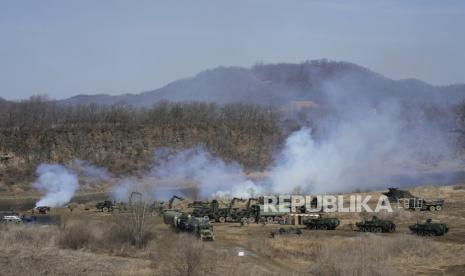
(214, 176)
(57, 183)
(364, 145)
(86, 169)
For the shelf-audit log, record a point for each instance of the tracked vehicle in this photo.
(376, 225)
(429, 228)
(322, 223)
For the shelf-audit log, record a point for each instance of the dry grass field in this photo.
(93, 243)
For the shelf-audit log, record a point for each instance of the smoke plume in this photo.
(364, 143)
(57, 183)
(214, 176)
(86, 169)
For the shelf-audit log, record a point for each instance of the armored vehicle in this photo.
(286, 231)
(395, 194)
(43, 209)
(322, 223)
(376, 225)
(105, 206)
(429, 228)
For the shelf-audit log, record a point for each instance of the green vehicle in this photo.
(429, 228)
(322, 223)
(376, 225)
(202, 228)
(286, 231)
(184, 222)
(105, 206)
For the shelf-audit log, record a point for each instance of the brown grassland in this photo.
(86, 242)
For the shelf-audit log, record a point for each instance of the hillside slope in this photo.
(283, 83)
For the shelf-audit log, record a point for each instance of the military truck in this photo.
(322, 223)
(424, 204)
(105, 206)
(187, 223)
(11, 219)
(286, 231)
(412, 202)
(376, 225)
(213, 212)
(429, 228)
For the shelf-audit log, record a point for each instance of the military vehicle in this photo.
(424, 205)
(11, 219)
(213, 212)
(42, 209)
(429, 228)
(376, 225)
(322, 223)
(187, 223)
(394, 194)
(202, 228)
(412, 202)
(286, 231)
(171, 204)
(105, 206)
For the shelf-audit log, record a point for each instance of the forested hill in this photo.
(283, 84)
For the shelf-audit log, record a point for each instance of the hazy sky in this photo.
(62, 48)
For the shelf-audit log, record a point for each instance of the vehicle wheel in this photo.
(371, 229)
(221, 219)
(438, 208)
(269, 219)
(432, 208)
(379, 229)
(229, 219)
(276, 219)
(105, 209)
(251, 220)
(324, 227)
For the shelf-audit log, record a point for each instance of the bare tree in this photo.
(138, 213)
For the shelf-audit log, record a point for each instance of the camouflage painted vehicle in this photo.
(429, 228)
(105, 206)
(322, 223)
(187, 223)
(376, 225)
(286, 231)
(202, 228)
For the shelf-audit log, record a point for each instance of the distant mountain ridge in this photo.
(283, 83)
